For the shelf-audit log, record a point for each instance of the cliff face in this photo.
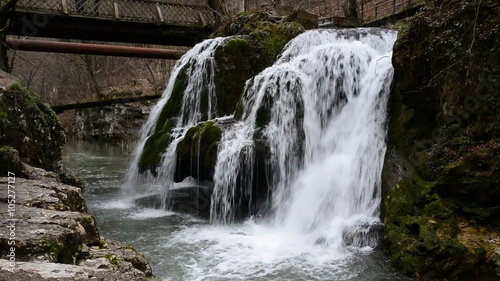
(442, 172)
(30, 131)
(117, 124)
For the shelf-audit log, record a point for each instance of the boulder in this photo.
(197, 152)
(30, 127)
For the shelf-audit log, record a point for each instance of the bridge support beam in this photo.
(91, 49)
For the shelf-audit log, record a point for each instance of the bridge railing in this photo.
(173, 12)
(372, 10)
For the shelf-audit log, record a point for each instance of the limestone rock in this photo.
(46, 271)
(116, 123)
(56, 239)
(30, 127)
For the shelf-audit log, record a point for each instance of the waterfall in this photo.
(321, 110)
(199, 68)
(307, 151)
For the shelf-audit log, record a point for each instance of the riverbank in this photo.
(47, 232)
(53, 237)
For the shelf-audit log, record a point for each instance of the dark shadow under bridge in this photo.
(160, 22)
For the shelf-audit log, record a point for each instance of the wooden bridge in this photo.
(374, 12)
(161, 22)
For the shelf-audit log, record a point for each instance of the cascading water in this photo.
(309, 140)
(326, 103)
(199, 69)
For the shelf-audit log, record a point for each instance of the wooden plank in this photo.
(160, 15)
(64, 7)
(116, 11)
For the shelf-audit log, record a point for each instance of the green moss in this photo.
(271, 38)
(187, 144)
(243, 57)
(197, 152)
(237, 61)
(112, 259)
(422, 232)
(50, 249)
(210, 133)
(155, 146)
(174, 103)
(103, 244)
(211, 155)
(60, 251)
(3, 117)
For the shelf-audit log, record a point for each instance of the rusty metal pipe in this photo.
(91, 49)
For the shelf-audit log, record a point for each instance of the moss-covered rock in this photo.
(270, 38)
(444, 136)
(197, 152)
(174, 104)
(237, 61)
(422, 233)
(155, 146)
(30, 127)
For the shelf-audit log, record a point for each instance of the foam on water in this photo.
(253, 251)
(120, 204)
(150, 213)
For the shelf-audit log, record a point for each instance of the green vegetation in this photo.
(112, 259)
(197, 152)
(237, 62)
(270, 38)
(63, 250)
(444, 133)
(155, 146)
(173, 105)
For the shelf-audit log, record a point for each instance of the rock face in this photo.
(29, 127)
(441, 176)
(56, 239)
(116, 124)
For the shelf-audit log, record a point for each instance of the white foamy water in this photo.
(199, 67)
(326, 97)
(150, 213)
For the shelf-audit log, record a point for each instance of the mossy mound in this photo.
(237, 61)
(270, 38)
(31, 128)
(155, 146)
(444, 138)
(422, 233)
(197, 152)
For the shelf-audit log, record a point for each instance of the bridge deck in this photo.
(166, 22)
(373, 11)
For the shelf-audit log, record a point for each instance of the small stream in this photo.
(182, 247)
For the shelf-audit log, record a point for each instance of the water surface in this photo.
(183, 247)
